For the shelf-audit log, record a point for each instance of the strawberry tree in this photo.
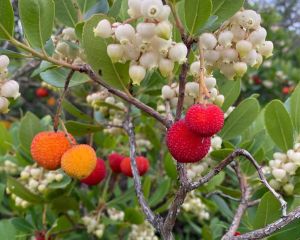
(148, 134)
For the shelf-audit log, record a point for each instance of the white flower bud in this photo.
(238, 32)
(258, 36)
(227, 70)
(275, 163)
(125, 33)
(297, 147)
(229, 55)
(195, 69)
(208, 41)
(210, 82)
(165, 13)
(115, 52)
(62, 48)
(259, 60)
(213, 92)
(24, 204)
(59, 177)
(33, 184)
(165, 66)
(99, 233)
(4, 62)
(4, 105)
(24, 175)
(249, 19)
(110, 100)
(288, 188)
(35, 173)
(178, 53)
(161, 108)
(250, 58)
(164, 30)
(69, 34)
(146, 30)
(161, 45)
(296, 158)
(279, 174)
(10, 89)
(290, 168)
(266, 49)
(50, 177)
(225, 38)
(149, 60)
(41, 188)
(211, 56)
(192, 89)
(219, 100)
(103, 29)
(167, 92)
(137, 73)
(280, 156)
(243, 47)
(173, 102)
(131, 52)
(134, 8)
(275, 184)
(240, 68)
(18, 201)
(151, 8)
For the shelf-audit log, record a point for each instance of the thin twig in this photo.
(218, 192)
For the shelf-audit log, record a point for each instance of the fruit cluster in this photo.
(142, 231)
(189, 139)
(36, 180)
(67, 47)
(239, 42)
(283, 167)
(8, 88)
(147, 46)
(194, 205)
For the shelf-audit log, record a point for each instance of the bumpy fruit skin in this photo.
(205, 119)
(185, 145)
(97, 175)
(115, 160)
(79, 161)
(47, 148)
(41, 92)
(142, 165)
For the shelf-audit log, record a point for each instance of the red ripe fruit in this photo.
(205, 119)
(41, 92)
(97, 175)
(237, 234)
(141, 162)
(185, 145)
(115, 160)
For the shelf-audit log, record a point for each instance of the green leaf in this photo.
(79, 30)
(240, 119)
(81, 129)
(66, 12)
(146, 186)
(295, 108)
(116, 74)
(6, 140)
(6, 19)
(7, 230)
(225, 9)
(22, 192)
(160, 193)
(268, 211)
(197, 13)
(2, 191)
(134, 216)
(37, 17)
(29, 127)
(12, 54)
(62, 184)
(221, 153)
(231, 91)
(170, 166)
(292, 230)
(64, 203)
(115, 9)
(279, 125)
(22, 225)
(70, 108)
(57, 76)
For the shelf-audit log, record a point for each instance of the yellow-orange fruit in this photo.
(47, 148)
(79, 161)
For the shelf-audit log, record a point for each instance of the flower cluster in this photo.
(194, 205)
(143, 231)
(93, 226)
(115, 214)
(147, 46)
(8, 88)
(67, 47)
(283, 167)
(142, 143)
(9, 167)
(36, 179)
(240, 42)
(196, 170)
(112, 109)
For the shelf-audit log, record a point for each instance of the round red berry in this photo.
(115, 160)
(205, 119)
(185, 145)
(141, 162)
(97, 175)
(41, 92)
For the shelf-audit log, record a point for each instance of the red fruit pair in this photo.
(189, 140)
(97, 175)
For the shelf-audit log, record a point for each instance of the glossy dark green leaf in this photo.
(162, 190)
(12, 54)
(295, 108)
(81, 129)
(22, 225)
(231, 91)
(134, 216)
(225, 9)
(221, 154)
(6, 19)
(170, 166)
(66, 12)
(71, 109)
